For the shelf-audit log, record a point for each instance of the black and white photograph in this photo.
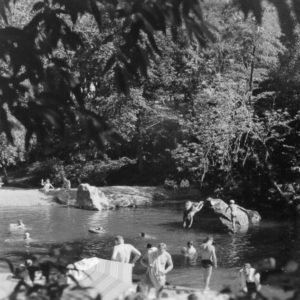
(149, 149)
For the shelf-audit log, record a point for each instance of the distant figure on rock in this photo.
(171, 184)
(190, 210)
(66, 183)
(208, 260)
(190, 253)
(184, 184)
(122, 252)
(47, 186)
(233, 213)
(250, 280)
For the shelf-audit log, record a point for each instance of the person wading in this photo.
(122, 252)
(160, 263)
(208, 259)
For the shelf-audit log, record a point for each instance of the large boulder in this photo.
(218, 210)
(90, 197)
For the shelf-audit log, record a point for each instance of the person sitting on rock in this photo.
(190, 210)
(170, 184)
(66, 183)
(47, 186)
(184, 184)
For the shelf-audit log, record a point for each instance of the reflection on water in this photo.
(53, 225)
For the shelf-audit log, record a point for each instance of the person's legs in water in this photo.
(233, 219)
(207, 276)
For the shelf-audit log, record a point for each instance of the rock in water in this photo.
(218, 209)
(90, 197)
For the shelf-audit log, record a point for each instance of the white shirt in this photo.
(251, 277)
(122, 253)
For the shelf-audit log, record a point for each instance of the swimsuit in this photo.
(251, 287)
(206, 263)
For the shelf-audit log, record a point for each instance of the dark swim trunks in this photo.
(251, 287)
(206, 263)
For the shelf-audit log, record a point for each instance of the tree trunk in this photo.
(5, 179)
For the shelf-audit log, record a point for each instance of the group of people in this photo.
(158, 263)
(47, 186)
(183, 185)
(192, 208)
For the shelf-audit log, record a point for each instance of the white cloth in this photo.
(157, 268)
(122, 253)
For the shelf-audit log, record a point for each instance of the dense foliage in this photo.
(165, 88)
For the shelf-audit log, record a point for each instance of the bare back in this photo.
(207, 252)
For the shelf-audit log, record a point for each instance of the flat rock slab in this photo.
(23, 197)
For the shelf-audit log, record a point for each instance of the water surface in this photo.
(55, 225)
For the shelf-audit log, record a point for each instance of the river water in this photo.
(54, 225)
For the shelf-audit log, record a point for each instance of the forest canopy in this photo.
(105, 89)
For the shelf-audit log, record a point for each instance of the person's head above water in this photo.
(142, 234)
(231, 202)
(26, 235)
(119, 240)
(149, 246)
(190, 243)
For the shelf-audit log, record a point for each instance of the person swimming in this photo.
(27, 237)
(147, 236)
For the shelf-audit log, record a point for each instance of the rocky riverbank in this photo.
(23, 197)
(118, 196)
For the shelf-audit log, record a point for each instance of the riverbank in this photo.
(118, 196)
(23, 197)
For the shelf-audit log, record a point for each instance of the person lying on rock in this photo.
(47, 186)
(190, 210)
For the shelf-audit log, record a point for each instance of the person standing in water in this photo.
(208, 260)
(160, 263)
(190, 253)
(122, 252)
